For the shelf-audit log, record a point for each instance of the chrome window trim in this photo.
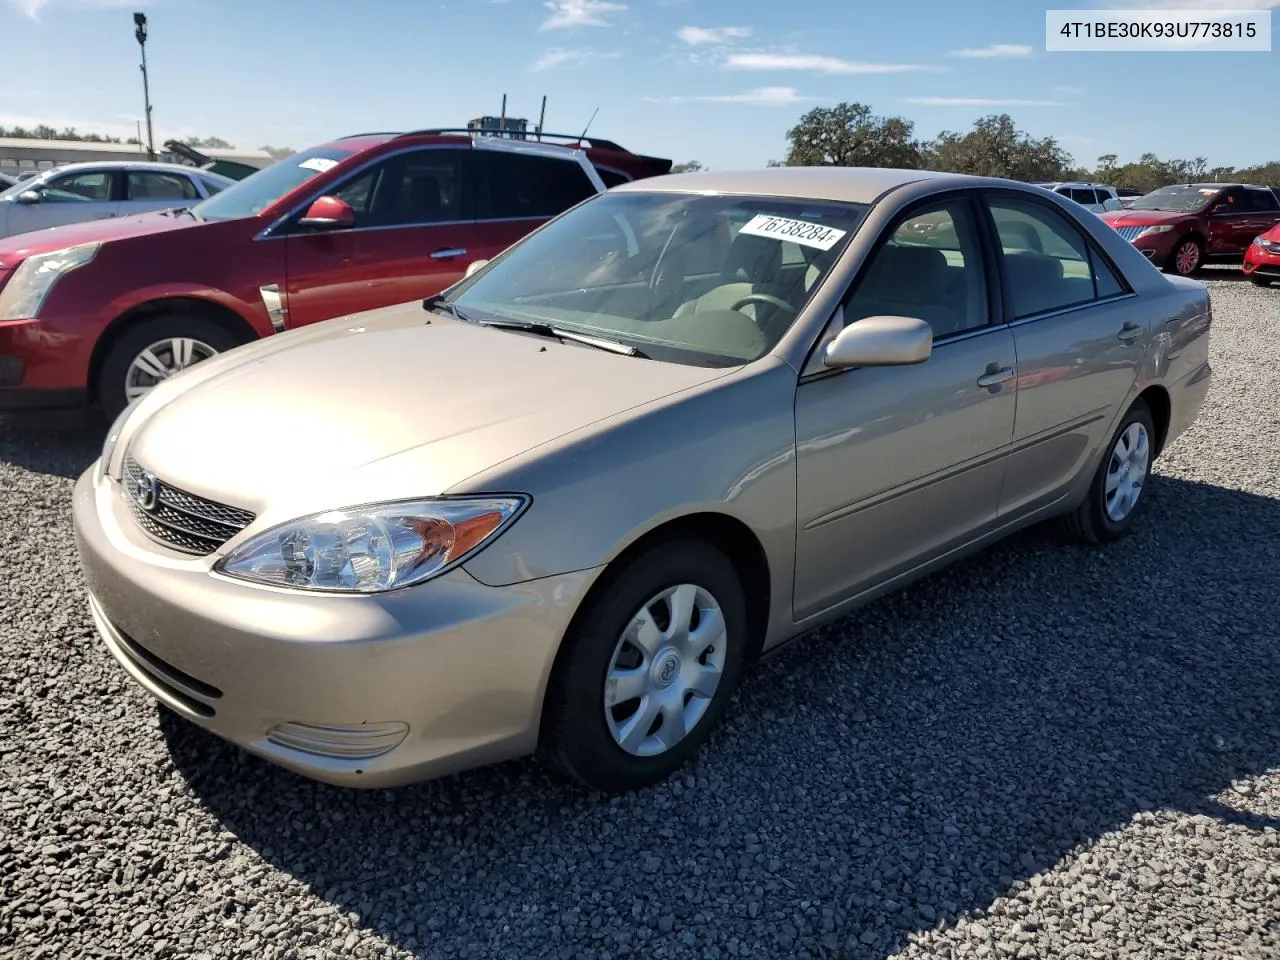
(1059, 311)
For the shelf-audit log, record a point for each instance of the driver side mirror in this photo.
(328, 213)
(29, 196)
(880, 342)
(475, 266)
(1221, 208)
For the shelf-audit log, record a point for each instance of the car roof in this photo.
(847, 184)
(127, 165)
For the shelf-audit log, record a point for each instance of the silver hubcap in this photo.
(1188, 257)
(1127, 471)
(666, 667)
(163, 359)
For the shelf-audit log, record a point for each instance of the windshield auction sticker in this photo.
(797, 231)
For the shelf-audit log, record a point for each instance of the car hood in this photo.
(17, 248)
(379, 406)
(1273, 234)
(1143, 218)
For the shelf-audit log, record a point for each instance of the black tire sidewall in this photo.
(585, 745)
(121, 354)
(1110, 529)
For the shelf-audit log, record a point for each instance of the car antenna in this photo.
(588, 126)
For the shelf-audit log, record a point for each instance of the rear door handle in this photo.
(1129, 332)
(995, 376)
(448, 254)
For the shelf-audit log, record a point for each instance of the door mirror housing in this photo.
(475, 266)
(1221, 208)
(328, 213)
(881, 341)
(29, 196)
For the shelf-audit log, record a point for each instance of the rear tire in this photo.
(620, 644)
(1187, 257)
(168, 342)
(1104, 516)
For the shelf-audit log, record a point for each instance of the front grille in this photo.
(1129, 233)
(179, 519)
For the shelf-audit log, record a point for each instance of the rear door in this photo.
(72, 197)
(414, 235)
(518, 192)
(149, 190)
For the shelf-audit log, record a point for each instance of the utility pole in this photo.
(140, 22)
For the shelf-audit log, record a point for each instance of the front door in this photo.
(1080, 336)
(1238, 216)
(73, 197)
(896, 465)
(413, 236)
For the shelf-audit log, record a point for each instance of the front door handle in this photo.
(995, 376)
(1129, 332)
(448, 254)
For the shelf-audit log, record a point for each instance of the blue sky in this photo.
(718, 81)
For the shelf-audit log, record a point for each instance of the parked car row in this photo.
(103, 311)
(558, 508)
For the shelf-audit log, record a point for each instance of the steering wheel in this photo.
(764, 298)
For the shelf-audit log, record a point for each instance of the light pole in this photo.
(140, 21)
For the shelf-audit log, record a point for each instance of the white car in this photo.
(78, 192)
(1097, 197)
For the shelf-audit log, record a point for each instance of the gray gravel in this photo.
(1046, 752)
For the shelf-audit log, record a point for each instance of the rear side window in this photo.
(147, 185)
(1258, 201)
(212, 186)
(518, 186)
(612, 178)
(1046, 259)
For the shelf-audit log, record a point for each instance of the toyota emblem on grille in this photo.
(146, 490)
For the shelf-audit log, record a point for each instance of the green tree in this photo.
(850, 135)
(996, 148)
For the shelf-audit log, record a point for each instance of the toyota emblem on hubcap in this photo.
(668, 669)
(146, 490)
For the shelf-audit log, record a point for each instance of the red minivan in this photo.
(102, 311)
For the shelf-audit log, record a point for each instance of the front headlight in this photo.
(25, 293)
(372, 548)
(1158, 228)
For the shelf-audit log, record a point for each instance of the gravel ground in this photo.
(1046, 752)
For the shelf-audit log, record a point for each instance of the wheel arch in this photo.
(227, 318)
(1158, 401)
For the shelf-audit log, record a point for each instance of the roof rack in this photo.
(535, 136)
(372, 133)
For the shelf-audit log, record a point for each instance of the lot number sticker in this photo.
(797, 231)
(318, 164)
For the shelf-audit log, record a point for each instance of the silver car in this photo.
(78, 192)
(561, 507)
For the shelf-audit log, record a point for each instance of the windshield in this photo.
(705, 280)
(1179, 199)
(256, 192)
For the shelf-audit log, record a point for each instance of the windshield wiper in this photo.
(438, 302)
(541, 329)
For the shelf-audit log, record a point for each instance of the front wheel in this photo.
(1120, 485)
(647, 670)
(154, 350)
(1186, 258)
(1260, 281)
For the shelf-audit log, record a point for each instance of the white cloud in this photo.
(1001, 51)
(697, 36)
(32, 8)
(566, 14)
(817, 64)
(1069, 91)
(981, 102)
(569, 58)
(1194, 4)
(759, 97)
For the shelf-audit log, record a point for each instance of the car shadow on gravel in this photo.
(906, 766)
(57, 443)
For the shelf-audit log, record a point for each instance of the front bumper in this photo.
(41, 366)
(461, 665)
(1263, 264)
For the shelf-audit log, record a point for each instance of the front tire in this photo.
(155, 349)
(1186, 258)
(1119, 488)
(647, 669)
(1260, 281)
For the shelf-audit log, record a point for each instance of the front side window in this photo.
(86, 187)
(705, 280)
(148, 185)
(929, 268)
(1047, 261)
(256, 192)
(518, 186)
(418, 188)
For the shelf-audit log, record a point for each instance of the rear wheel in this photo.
(647, 670)
(1188, 254)
(155, 349)
(1120, 485)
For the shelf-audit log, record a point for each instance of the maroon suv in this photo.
(102, 311)
(1181, 227)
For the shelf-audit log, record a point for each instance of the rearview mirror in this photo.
(29, 196)
(880, 342)
(328, 213)
(475, 266)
